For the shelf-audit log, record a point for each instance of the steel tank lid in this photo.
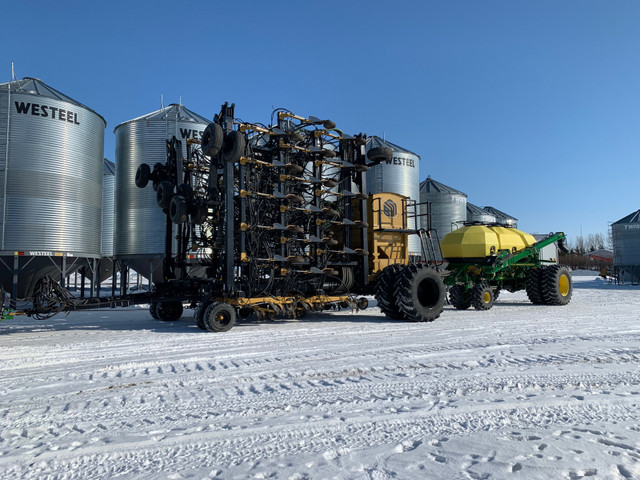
(500, 214)
(431, 186)
(36, 87)
(174, 111)
(631, 218)
(375, 142)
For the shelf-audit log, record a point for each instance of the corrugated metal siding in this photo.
(626, 243)
(54, 178)
(448, 211)
(139, 222)
(4, 97)
(400, 175)
(448, 206)
(108, 209)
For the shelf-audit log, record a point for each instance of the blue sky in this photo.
(532, 107)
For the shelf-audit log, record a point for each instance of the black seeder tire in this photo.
(219, 317)
(178, 209)
(153, 310)
(143, 174)
(233, 146)
(169, 311)
(459, 298)
(421, 293)
(164, 194)
(384, 291)
(557, 286)
(533, 285)
(212, 139)
(198, 315)
(379, 154)
(482, 296)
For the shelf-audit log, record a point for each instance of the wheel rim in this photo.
(486, 297)
(564, 285)
(223, 319)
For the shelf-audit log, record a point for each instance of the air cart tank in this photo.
(476, 242)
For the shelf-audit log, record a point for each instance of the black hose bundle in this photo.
(49, 298)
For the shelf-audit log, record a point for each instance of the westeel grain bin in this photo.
(398, 175)
(51, 169)
(139, 222)
(479, 215)
(448, 206)
(503, 218)
(626, 247)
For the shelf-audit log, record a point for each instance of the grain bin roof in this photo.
(172, 112)
(109, 167)
(375, 141)
(431, 186)
(35, 86)
(631, 218)
(499, 214)
(476, 210)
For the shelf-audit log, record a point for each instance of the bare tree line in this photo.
(590, 243)
(580, 246)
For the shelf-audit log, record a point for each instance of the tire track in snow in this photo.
(223, 365)
(221, 449)
(173, 410)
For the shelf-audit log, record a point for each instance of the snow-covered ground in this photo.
(519, 391)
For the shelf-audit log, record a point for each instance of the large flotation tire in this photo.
(557, 286)
(533, 285)
(384, 291)
(421, 293)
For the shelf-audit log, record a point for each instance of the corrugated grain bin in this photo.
(448, 206)
(139, 222)
(399, 175)
(626, 247)
(51, 171)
